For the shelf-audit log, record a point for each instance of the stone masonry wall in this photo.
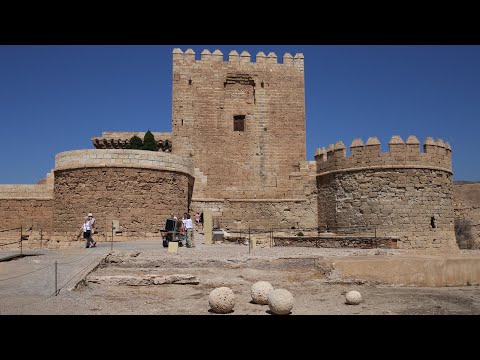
(402, 193)
(36, 214)
(139, 188)
(209, 92)
(28, 206)
(300, 211)
(467, 205)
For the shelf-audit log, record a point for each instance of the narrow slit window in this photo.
(239, 123)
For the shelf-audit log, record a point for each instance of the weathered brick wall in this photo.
(29, 206)
(138, 188)
(36, 214)
(208, 93)
(397, 192)
(269, 213)
(467, 205)
(300, 211)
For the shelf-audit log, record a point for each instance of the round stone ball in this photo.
(353, 298)
(221, 300)
(260, 291)
(280, 301)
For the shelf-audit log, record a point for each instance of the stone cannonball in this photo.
(221, 300)
(260, 291)
(280, 301)
(353, 298)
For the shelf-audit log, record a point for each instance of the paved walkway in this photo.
(31, 278)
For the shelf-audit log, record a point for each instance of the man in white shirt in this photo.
(189, 229)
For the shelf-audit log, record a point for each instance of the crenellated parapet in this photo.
(235, 57)
(436, 155)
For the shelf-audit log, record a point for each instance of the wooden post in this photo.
(111, 242)
(21, 236)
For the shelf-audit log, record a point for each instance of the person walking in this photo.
(92, 221)
(197, 220)
(86, 231)
(189, 231)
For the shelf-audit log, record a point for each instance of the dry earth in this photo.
(315, 293)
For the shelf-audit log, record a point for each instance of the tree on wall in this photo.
(149, 142)
(135, 143)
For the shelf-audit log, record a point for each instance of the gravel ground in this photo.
(299, 270)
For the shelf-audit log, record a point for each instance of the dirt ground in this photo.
(314, 293)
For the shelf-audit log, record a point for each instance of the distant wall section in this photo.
(467, 205)
(28, 206)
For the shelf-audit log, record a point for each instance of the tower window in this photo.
(239, 123)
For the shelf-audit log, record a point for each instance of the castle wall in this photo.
(299, 211)
(467, 205)
(207, 93)
(34, 214)
(139, 188)
(27, 206)
(402, 193)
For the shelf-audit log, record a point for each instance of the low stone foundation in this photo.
(365, 242)
(338, 242)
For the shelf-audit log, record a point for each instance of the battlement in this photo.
(436, 155)
(234, 57)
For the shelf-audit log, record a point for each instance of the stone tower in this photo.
(404, 192)
(241, 122)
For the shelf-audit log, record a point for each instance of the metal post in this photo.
(249, 240)
(56, 292)
(21, 236)
(111, 242)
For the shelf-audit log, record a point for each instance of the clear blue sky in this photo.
(56, 98)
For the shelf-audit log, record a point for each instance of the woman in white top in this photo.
(86, 231)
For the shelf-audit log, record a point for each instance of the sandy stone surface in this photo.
(353, 298)
(231, 266)
(221, 300)
(280, 301)
(260, 291)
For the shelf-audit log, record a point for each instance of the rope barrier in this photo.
(4, 230)
(71, 262)
(31, 272)
(74, 276)
(15, 242)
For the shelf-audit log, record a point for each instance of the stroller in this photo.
(172, 232)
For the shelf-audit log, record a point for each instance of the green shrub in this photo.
(149, 142)
(300, 233)
(135, 143)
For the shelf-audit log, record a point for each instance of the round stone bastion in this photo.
(140, 189)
